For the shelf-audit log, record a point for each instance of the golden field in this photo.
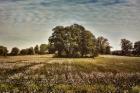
(45, 74)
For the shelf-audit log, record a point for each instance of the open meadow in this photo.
(45, 74)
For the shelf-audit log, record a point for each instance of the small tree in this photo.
(15, 51)
(137, 48)
(3, 51)
(31, 51)
(24, 52)
(126, 46)
(102, 45)
(43, 48)
(36, 49)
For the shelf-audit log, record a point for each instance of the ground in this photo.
(45, 74)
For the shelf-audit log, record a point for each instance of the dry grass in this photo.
(42, 73)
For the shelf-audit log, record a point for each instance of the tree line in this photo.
(42, 49)
(75, 41)
(128, 48)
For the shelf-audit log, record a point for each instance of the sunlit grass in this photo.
(69, 75)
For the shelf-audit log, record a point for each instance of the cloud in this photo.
(40, 16)
(42, 11)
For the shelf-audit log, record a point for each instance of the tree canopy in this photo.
(27, 51)
(126, 46)
(36, 49)
(3, 51)
(137, 48)
(103, 46)
(15, 51)
(73, 41)
(43, 48)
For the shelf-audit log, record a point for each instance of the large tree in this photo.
(72, 41)
(126, 46)
(137, 48)
(15, 51)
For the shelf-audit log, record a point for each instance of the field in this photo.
(45, 74)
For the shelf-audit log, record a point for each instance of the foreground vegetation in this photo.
(37, 74)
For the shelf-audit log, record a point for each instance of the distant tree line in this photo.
(75, 41)
(128, 49)
(42, 49)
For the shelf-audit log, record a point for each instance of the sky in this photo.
(25, 23)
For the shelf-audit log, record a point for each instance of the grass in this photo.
(41, 74)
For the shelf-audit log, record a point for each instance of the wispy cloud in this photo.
(38, 16)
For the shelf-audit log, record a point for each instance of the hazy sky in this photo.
(25, 23)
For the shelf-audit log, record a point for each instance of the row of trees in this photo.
(75, 41)
(127, 48)
(69, 41)
(42, 49)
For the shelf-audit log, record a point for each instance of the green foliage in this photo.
(137, 48)
(3, 51)
(27, 51)
(51, 49)
(43, 48)
(136, 89)
(73, 41)
(103, 46)
(31, 51)
(24, 52)
(5, 87)
(36, 49)
(126, 46)
(15, 51)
